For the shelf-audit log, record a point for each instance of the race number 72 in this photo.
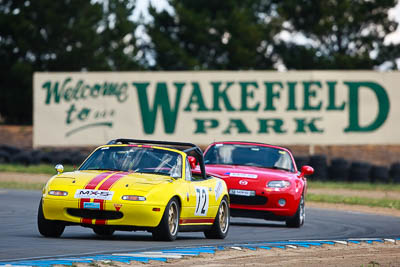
(201, 201)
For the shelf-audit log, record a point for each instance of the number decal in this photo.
(201, 201)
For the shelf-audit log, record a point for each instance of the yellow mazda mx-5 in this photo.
(132, 185)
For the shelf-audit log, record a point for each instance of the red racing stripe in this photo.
(92, 185)
(107, 184)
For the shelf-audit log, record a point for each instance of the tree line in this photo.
(85, 35)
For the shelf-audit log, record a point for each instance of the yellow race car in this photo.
(132, 185)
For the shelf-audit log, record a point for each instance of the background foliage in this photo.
(84, 35)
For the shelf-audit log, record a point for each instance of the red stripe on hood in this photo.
(92, 185)
(107, 184)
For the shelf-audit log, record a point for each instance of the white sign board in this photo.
(303, 107)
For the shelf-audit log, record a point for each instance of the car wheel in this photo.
(298, 219)
(220, 228)
(103, 230)
(167, 230)
(46, 227)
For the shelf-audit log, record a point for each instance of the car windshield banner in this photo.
(299, 107)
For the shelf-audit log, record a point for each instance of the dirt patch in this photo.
(386, 254)
(377, 254)
(24, 177)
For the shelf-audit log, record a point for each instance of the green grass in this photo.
(352, 200)
(18, 185)
(40, 169)
(353, 186)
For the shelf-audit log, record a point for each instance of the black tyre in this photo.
(103, 230)
(167, 230)
(298, 219)
(319, 163)
(46, 227)
(339, 169)
(379, 174)
(395, 172)
(220, 227)
(359, 171)
(4, 157)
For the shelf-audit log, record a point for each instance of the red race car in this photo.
(263, 180)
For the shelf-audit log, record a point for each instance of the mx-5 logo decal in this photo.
(94, 194)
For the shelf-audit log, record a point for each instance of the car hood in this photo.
(122, 180)
(234, 172)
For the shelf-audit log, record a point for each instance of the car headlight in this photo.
(58, 193)
(278, 184)
(133, 198)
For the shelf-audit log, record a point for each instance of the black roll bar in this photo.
(193, 147)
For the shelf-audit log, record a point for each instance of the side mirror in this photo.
(306, 170)
(192, 161)
(59, 168)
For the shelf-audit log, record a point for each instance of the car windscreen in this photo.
(249, 155)
(135, 159)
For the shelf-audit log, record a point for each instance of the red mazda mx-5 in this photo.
(263, 180)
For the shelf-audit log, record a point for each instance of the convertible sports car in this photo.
(262, 180)
(137, 185)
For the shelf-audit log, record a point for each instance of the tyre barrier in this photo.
(319, 163)
(301, 161)
(379, 174)
(339, 169)
(11, 150)
(359, 171)
(34, 157)
(23, 157)
(4, 157)
(394, 172)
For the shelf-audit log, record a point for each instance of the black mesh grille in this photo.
(256, 200)
(95, 214)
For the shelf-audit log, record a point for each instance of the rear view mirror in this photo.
(192, 161)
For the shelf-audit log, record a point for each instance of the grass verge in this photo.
(40, 168)
(19, 185)
(353, 200)
(353, 186)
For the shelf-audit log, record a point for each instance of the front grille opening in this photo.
(95, 214)
(245, 200)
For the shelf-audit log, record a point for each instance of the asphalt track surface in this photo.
(20, 239)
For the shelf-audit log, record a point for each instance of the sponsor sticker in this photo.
(218, 190)
(117, 206)
(243, 175)
(94, 194)
(91, 205)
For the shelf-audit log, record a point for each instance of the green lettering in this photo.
(270, 94)
(161, 101)
(311, 93)
(238, 124)
(354, 118)
(291, 96)
(217, 94)
(332, 97)
(202, 125)
(274, 124)
(248, 94)
(302, 124)
(196, 98)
